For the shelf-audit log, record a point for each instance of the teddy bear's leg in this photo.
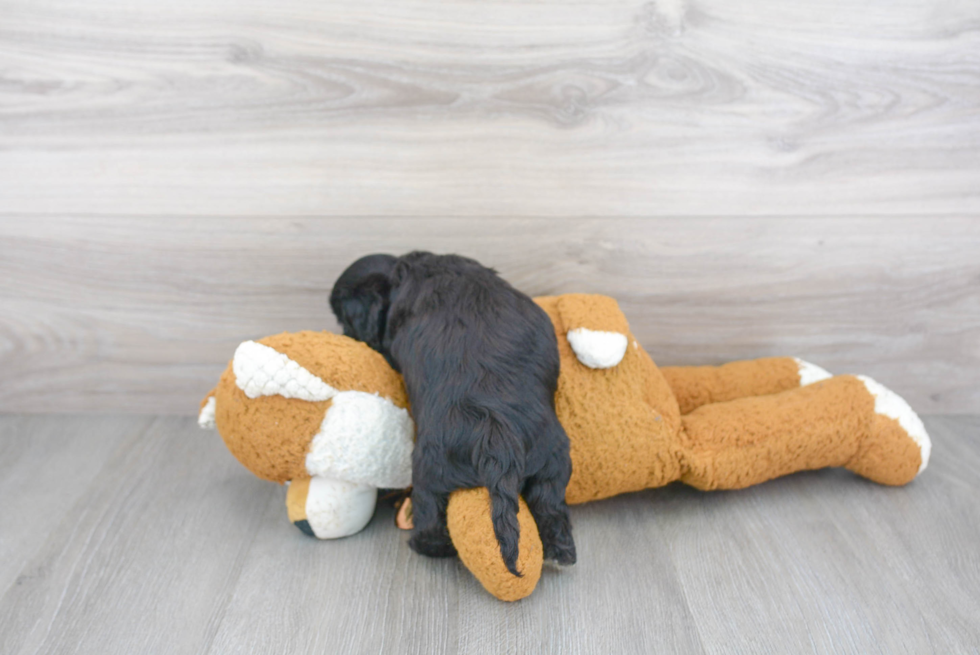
(842, 421)
(695, 386)
(328, 508)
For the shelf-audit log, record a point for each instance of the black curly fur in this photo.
(480, 362)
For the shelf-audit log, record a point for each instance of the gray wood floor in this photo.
(142, 534)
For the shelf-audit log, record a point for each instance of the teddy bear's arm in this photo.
(595, 327)
(471, 529)
(695, 386)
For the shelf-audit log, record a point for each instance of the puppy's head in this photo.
(361, 297)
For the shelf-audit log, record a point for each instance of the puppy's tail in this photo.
(503, 480)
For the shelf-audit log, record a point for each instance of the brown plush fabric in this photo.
(888, 455)
(299, 489)
(701, 385)
(621, 422)
(471, 530)
(593, 312)
(270, 435)
(747, 441)
(344, 364)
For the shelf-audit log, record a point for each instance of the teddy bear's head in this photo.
(315, 405)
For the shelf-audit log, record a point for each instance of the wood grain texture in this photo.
(145, 556)
(174, 547)
(471, 108)
(51, 463)
(111, 314)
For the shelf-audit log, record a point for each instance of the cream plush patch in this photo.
(890, 404)
(206, 418)
(597, 349)
(262, 371)
(810, 373)
(366, 439)
(335, 508)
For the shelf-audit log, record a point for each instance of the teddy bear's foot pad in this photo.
(304, 527)
(898, 448)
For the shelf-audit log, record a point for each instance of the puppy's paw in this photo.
(597, 349)
(432, 544)
(560, 555)
(555, 566)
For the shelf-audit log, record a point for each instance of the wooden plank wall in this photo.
(748, 178)
(141, 315)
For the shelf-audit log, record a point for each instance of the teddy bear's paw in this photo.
(810, 373)
(890, 404)
(898, 448)
(597, 349)
(326, 508)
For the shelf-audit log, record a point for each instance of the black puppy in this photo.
(480, 362)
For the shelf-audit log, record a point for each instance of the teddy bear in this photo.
(322, 413)
(331, 417)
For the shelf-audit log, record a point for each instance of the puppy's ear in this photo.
(363, 310)
(400, 272)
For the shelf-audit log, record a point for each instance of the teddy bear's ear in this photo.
(263, 371)
(205, 416)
